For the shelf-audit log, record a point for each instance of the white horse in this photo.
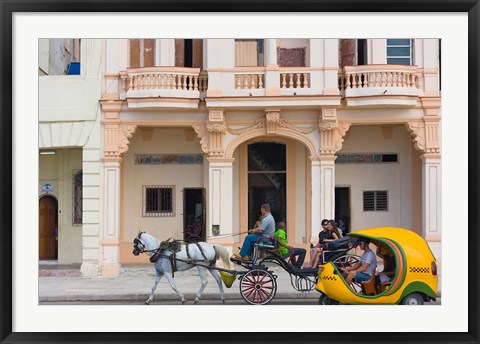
(144, 242)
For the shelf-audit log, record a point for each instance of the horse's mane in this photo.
(148, 239)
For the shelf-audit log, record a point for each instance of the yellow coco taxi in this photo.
(413, 279)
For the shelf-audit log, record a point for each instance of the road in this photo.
(204, 302)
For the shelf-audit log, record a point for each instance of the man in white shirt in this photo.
(364, 269)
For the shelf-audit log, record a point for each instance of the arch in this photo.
(282, 132)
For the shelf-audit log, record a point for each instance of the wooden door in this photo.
(47, 228)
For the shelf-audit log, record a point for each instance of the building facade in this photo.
(195, 134)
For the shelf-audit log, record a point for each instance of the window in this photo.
(375, 201)
(366, 158)
(78, 198)
(158, 200)
(399, 51)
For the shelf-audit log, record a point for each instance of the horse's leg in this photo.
(158, 276)
(218, 278)
(203, 282)
(170, 280)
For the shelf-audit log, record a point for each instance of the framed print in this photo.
(127, 124)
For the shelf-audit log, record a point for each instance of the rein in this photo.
(161, 255)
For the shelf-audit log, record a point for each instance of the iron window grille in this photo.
(399, 51)
(375, 201)
(158, 200)
(77, 198)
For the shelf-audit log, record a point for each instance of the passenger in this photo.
(362, 271)
(326, 235)
(266, 229)
(285, 250)
(334, 228)
(384, 252)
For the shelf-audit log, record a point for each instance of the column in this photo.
(111, 219)
(116, 137)
(272, 72)
(220, 198)
(431, 197)
(271, 45)
(165, 56)
(327, 187)
(315, 203)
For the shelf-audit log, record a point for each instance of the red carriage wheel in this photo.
(258, 287)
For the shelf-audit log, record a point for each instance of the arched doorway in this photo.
(267, 180)
(48, 228)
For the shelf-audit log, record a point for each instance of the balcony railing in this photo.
(163, 82)
(378, 76)
(294, 78)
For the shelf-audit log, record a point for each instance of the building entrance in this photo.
(342, 208)
(194, 214)
(267, 180)
(48, 227)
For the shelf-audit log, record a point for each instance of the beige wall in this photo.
(135, 176)
(394, 177)
(58, 170)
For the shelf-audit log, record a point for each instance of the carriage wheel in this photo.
(258, 287)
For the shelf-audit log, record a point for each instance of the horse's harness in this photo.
(175, 246)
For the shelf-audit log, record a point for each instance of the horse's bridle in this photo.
(138, 247)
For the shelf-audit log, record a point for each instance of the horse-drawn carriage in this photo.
(258, 283)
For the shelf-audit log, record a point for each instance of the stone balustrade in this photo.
(163, 81)
(369, 76)
(294, 79)
(250, 80)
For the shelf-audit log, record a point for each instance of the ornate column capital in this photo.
(215, 130)
(332, 132)
(116, 134)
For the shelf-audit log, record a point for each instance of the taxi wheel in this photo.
(325, 301)
(413, 299)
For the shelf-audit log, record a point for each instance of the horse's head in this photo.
(138, 244)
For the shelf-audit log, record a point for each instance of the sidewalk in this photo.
(135, 283)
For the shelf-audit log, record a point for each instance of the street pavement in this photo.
(134, 284)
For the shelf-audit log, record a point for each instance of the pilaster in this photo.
(220, 197)
(331, 139)
(426, 139)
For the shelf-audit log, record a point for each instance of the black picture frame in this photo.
(9, 7)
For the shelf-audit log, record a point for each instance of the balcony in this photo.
(384, 85)
(162, 86)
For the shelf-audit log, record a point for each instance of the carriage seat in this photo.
(369, 286)
(265, 243)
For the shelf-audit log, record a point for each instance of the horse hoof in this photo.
(223, 301)
(196, 302)
(148, 302)
(183, 302)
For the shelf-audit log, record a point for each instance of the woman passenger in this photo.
(329, 233)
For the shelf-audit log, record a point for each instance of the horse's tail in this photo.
(224, 255)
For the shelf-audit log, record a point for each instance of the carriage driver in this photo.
(266, 228)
